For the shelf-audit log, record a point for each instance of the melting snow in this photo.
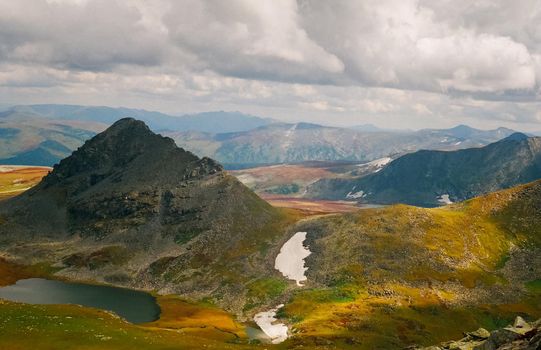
(355, 195)
(290, 260)
(444, 198)
(276, 332)
(378, 163)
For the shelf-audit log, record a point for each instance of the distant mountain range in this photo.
(44, 134)
(430, 178)
(218, 121)
(289, 143)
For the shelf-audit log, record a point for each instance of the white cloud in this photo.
(403, 62)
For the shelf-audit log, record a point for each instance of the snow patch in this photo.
(290, 260)
(355, 195)
(444, 199)
(276, 332)
(378, 163)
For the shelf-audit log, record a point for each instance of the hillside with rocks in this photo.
(432, 178)
(400, 276)
(520, 335)
(131, 208)
(299, 142)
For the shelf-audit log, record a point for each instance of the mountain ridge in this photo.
(157, 216)
(289, 143)
(423, 177)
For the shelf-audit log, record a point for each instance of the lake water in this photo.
(132, 305)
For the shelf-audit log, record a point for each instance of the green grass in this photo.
(265, 288)
(71, 327)
(534, 286)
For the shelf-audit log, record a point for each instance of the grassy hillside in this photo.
(377, 278)
(393, 277)
(15, 180)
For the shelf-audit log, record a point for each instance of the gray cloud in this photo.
(93, 35)
(388, 61)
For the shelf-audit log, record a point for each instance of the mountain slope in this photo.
(427, 178)
(279, 143)
(27, 140)
(398, 276)
(131, 208)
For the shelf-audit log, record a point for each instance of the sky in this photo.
(392, 63)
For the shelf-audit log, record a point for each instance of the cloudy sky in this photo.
(394, 63)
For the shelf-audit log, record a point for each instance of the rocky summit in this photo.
(126, 175)
(129, 207)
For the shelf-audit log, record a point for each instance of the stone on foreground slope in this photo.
(519, 336)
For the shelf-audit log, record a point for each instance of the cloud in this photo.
(257, 40)
(79, 35)
(390, 61)
(399, 43)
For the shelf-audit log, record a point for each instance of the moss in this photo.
(187, 235)
(534, 286)
(43, 327)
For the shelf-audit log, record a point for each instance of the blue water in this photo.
(132, 305)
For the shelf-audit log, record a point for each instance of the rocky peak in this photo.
(129, 144)
(517, 136)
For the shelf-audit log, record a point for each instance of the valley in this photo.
(270, 175)
(15, 180)
(374, 278)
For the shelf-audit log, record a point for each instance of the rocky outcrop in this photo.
(521, 335)
(130, 203)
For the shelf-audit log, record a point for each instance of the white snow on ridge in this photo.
(355, 195)
(377, 163)
(290, 260)
(444, 199)
(276, 332)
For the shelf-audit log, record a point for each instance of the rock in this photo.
(519, 336)
(535, 342)
(498, 338)
(520, 323)
(463, 345)
(481, 333)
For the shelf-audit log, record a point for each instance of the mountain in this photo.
(290, 143)
(373, 128)
(132, 209)
(430, 178)
(44, 134)
(25, 140)
(466, 132)
(129, 207)
(399, 276)
(218, 121)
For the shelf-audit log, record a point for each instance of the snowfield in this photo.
(378, 164)
(444, 199)
(276, 332)
(290, 260)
